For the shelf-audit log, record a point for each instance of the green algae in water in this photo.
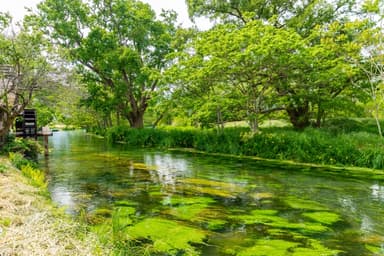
(271, 219)
(326, 218)
(168, 236)
(126, 203)
(211, 183)
(277, 247)
(211, 187)
(216, 224)
(377, 250)
(187, 208)
(122, 218)
(195, 209)
(187, 212)
(178, 200)
(266, 247)
(315, 248)
(302, 204)
(261, 195)
(107, 213)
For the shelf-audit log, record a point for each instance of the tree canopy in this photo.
(298, 56)
(118, 46)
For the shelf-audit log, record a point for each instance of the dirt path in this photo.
(30, 225)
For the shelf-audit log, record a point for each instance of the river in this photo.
(193, 204)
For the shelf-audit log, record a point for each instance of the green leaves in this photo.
(119, 44)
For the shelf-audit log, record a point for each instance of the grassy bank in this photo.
(30, 224)
(341, 142)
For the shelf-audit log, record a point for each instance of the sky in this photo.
(17, 9)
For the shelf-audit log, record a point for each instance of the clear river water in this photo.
(179, 203)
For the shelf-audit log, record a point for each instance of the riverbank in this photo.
(31, 225)
(352, 146)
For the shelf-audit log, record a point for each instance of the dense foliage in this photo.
(340, 142)
(27, 148)
(303, 57)
(119, 48)
(304, 61)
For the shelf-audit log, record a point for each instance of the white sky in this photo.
(17, 9)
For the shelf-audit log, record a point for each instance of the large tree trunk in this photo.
(319, 116)
(6, 122)
(299, 116)
(136, 119)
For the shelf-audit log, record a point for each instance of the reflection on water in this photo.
(377, 192)
(241, 205)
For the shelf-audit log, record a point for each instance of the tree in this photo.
(374, 51)
(240, 60)
(312, 74)
(23, 70)
(118, 46)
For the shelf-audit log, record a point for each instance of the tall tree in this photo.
(118, 45)
(373, 67)
(243, 61)
(23, 70)
(311, 79)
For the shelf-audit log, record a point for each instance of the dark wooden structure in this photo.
(26, 125)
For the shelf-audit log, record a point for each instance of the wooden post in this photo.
(46, 148)
(45, 133)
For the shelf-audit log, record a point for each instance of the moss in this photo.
(266, 247)
(302, 204)
(168, 236)
(326, 218)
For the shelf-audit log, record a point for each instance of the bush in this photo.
(36, 177)
(29, 148)
(18, 160)
(321, 146)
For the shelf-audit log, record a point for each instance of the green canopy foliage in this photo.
(118, 46)
(298, 56)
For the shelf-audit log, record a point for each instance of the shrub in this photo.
(29, 148)
(18, 160)
(320, 146)
(36, 177)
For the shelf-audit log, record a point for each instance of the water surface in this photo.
(216, 205)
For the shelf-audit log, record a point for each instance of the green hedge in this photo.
(320, 146)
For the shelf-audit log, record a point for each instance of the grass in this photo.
(341, 142)
(31, 225)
